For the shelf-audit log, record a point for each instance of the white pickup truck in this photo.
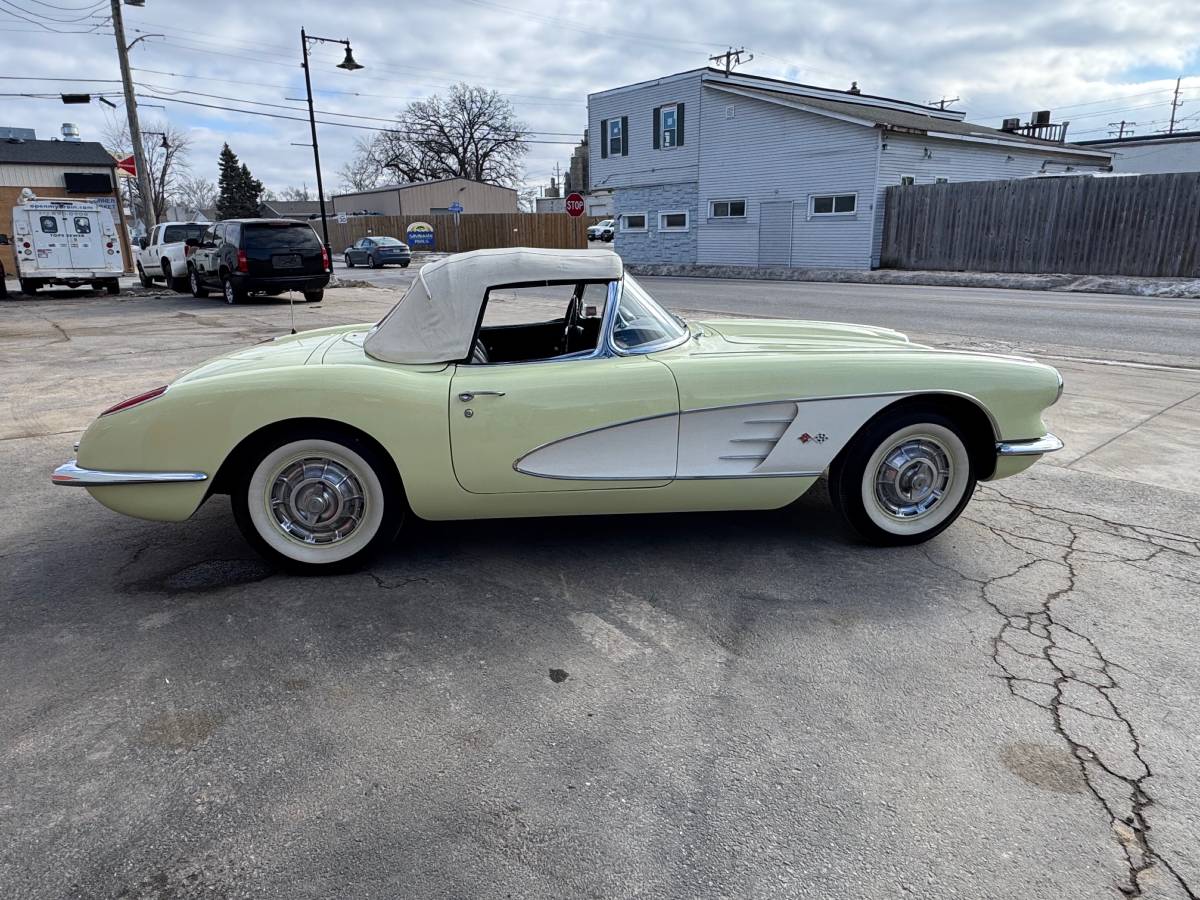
(163, 254)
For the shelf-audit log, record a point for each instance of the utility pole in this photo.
(731, 58)
(1121, 126)
(1175, 104)
(135, 130)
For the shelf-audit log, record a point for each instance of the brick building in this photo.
(74, 170)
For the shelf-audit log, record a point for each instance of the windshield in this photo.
(281, 237)
(175, 234)
(607, 223)
(641, 323)
(387, 242)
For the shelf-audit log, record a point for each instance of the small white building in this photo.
(1152, 154)
(707, 167)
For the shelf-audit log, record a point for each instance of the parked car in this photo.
(259, 256)
(377, 252)
(328, 440)
(3, 283)
(68, 242)
(602, 231)
(164, 253)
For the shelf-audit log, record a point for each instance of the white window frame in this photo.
(812, 205)
(687, 218)
(621, 139)
(662, 127)
(626, 229)
(941, 179)
(712, 204)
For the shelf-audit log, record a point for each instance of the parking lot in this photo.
(712, 705)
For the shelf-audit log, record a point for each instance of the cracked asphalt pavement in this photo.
(718, 705)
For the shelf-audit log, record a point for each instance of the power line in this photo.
(91, 13)
(66, 8)
(252, 112)
(41, 25)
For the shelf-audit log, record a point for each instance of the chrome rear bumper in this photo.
(1046, 444)
(71, 474)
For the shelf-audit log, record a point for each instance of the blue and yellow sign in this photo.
(420, 236)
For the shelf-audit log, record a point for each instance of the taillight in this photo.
(109, 245)
(324, 258)
(187, 250)
(243, 264)
(27, 245)
(135, 401)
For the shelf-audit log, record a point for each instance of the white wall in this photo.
(769, 152)
(1157, 158)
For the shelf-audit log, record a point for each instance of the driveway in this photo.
(715, 705)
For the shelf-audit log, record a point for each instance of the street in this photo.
(710, 705)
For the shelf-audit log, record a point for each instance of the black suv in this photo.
(265, 256)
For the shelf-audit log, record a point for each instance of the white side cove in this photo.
(788, 437)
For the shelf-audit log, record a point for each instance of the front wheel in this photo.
(145, 280)
(349, 261)
(904, 479)
(198, 288)
(324, 502)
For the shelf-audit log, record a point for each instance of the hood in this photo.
(747, 335)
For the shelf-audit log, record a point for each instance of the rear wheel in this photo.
(318, 502)
(233, 294)
(194, 282)
(315, 296)
(145, 280)
(112, 286)
(375, 263)
(905, 478)
(29, 286)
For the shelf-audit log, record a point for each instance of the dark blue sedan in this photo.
(378, 252)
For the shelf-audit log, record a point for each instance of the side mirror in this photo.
(143, 242)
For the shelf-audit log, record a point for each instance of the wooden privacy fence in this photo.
(474, 231)
(1129, 225)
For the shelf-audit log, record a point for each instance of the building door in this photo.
(775, 233)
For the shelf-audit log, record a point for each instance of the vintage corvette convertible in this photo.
(327, 440)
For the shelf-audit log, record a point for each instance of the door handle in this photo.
(468, 396)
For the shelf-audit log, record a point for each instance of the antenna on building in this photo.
(944, 102)
(1121, 127)
(731, 58)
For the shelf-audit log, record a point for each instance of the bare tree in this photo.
(471, 133)
(527, 198)
(194, 193)
(166, 157)
(291, 193)
(363, 171)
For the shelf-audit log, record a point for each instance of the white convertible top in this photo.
(435, 320)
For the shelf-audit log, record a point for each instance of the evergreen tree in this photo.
(240, 192)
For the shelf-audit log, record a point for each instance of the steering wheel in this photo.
(571, 320)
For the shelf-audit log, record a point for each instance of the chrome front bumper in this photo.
(1046, 444)
(71, 474)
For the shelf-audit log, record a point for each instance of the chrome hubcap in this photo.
(913, 477)
(317, 500)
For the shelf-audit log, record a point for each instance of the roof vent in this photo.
(70, 132)
(854, 88)
(1041, 117)
(1010, 124)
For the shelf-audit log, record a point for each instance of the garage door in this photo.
(775, 233)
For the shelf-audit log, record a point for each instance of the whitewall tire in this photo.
(904, 478)
(318, 503)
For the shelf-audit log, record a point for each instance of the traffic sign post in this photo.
(574, 205)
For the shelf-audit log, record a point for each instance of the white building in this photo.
(721, 169)
(1152, 154)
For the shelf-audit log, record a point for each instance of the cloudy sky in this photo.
(1091, 61)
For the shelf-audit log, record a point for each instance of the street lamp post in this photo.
(349, 65)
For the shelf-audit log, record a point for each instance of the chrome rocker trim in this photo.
(1048, 443)
(69, 474)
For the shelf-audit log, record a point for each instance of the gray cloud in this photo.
(1000, 59)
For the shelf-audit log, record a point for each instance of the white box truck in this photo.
(69, 242)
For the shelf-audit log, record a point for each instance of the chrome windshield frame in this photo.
(642, 349)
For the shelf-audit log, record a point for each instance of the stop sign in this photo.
(575, 205)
